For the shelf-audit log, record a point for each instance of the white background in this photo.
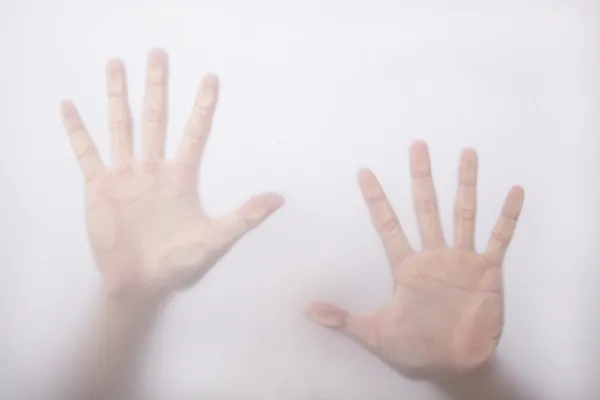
(311, 91)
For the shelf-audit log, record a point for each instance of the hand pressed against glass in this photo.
(146, 224)
(446, 312)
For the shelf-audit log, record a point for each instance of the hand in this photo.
(145, 220)
(445, 314)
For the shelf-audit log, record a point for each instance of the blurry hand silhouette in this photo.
(445, 315)
(146, 224)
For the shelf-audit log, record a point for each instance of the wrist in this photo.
(121, 329)
(134, 297)
(491, 381)
(129, 314)
(466, 379)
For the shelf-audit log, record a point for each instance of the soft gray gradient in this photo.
(311, 91)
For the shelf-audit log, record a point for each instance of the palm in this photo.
(146, 225)
(445, 314)
(138, 218)
(446, 311)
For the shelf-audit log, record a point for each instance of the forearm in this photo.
(491, 382)
(120, 331)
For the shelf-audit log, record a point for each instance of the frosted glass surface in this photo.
(311, 91)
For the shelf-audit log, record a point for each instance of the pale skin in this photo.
(149, 234)
(145, 219)
(444, 318)
(150, 238)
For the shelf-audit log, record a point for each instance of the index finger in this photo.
(199, 124)
(505, 227)
(81, 142)
(384, 218)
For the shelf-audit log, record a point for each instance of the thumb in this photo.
(362, 329)
(251, 214)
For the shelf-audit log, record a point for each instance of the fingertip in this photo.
(69, 114)
(364, 173)
(157, 54)
(419, 145)
(326, 314)
(365, 176)
(468, 167)
(259, 208)
(518, 193)
(208, 92)
(518, 190)
(274, 200)
(419, 154)
(114, 65)
(468, 154)
(210, 80)
(66, 106)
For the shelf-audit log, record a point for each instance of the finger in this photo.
(384, 218)
(505, 227)
(425, 198)
(119, 114)
(81, 142)
(466, 201)
(362, 329)
(199, 123)
(154, 120)
(239, 222)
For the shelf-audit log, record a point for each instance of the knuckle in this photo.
(153, 125)
(374, 198)
(202, 109)
(427, 206)
(195, 134)
(501, 238)
(492, 259)
(76, 130)
(421, 172)
(85, 152)
(512, 215)
(157, 78)
(467, 214)
(186, 166)
(389, 224)
(154, 114)
(121, 127)
(468, 181)
(116, 92)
